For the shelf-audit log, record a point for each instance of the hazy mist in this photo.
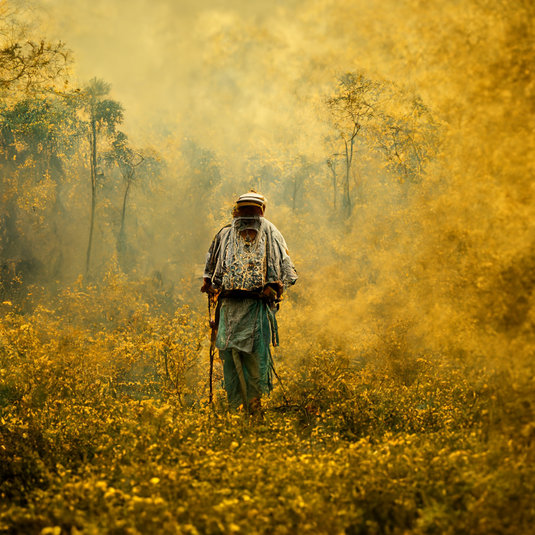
(233, 95)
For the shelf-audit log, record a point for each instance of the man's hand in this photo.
(208, 288)
(273, 290)
(280, 289)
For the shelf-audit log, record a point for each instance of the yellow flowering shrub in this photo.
(105, 428)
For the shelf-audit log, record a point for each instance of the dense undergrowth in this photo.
(105, 428)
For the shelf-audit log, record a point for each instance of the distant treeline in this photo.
(77, 193)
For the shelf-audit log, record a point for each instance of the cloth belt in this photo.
(242, 294)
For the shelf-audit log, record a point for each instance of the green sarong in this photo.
(243, 340)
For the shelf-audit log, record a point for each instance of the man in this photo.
(248, 263)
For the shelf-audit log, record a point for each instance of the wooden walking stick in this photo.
(212, 300)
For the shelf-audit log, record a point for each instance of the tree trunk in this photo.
(346, 196)
(124, 206)
(93, 165)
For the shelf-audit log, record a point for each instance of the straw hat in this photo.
(251, 198)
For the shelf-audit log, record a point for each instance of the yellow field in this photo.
(96, 438)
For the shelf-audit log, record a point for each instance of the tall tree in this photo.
(102, 115)
(352, 107)
(136, 166)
